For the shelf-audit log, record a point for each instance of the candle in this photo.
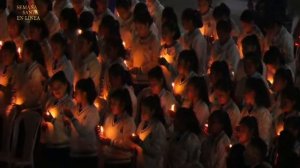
(230, 145)
(79, 32)
(125, 62)
(279, 129)
(173, 107)
(271, 80)
(53, 111)
(97, 105)
(133, 135)
(19, 50)
(206, 125)
(1, 44)
(19, 101)
(124, 44)
(173, 84)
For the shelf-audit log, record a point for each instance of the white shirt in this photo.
(52, 23)
(59, 5)
(98, 19)
(127, 31)
(155, 10)
(65, 65)
(200, 109)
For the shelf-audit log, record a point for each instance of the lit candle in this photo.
(206, 125)
(97, 105)
(279, 129)
(125, 62)
(133, 135)
(19, 50)
(79, 31)
(53, 111)
(1, 44)
(173, 107)
(230, 145)
(173, 85)
(271, 80)
(47, 113)
(124, 44)
(19, 101)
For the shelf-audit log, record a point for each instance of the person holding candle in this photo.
(60, 61)
(197, 99)
(206, 10)
(214, 148)
(101, 9)
(247, 130)
(89, 66)
(150, 141)
(85, 22)
(224, 101)
(56, 136)
(155, 9)
(187, 68)
(193, 39)
(183, 150)
(118, 127)
(145, 47)
(257, 102)
(83, 120)
(15, 30)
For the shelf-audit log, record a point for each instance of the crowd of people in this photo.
(128, 84)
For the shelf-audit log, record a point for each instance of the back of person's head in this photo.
(251, 123)
(172, 27)
(221, 11)
(292, 93)
(201, 85)
(91, 37)
(140, 8)
(255, 60)
(112, 25)
(35, 50)
(69, 15)
(258, 150)
(116, 44)
(86, 20)
(142, 16)
(186, 117)
(193, 15)
(247, 16)
(117, 70)
(262, 94)
(3, 5)
(221, 117)
(189, 57)
(235, 158)
(285, 75)
(221, 69)
(40, 24)
(61, 77)
(125, 4)
(224, 26)
(153, 103)
(123, 97)
(251, 44)
(274, 56)
(157, 74)
(169, 15)
(11, 47)
(87, 86)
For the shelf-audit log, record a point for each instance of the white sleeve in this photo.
(88, 124)
(128, 128)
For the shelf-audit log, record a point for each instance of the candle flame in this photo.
(230, 146)
(1, 43)
(19, 50)
(173, 85)
(125, 62)
(173, 107)
(206, 125)
(124, 44)
(19, 101)
(271, 80)
(79, 32)
(133, 134)
(53, 111)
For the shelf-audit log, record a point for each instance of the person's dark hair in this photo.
(69, 15)
(293, 94)
(247, 16)
(224, 86)
(287, 156)
(93, 4)
(118, 70)
(2, 4)
(259, 145)
(87, 86)
(192, 15)
(221, 11)
(11, 47)
(47, 2)
(252, 41)
(157, 74)
(126, 4)
(274, 56)
(224, 26)
(35, 50)
(153, 103)
(91, 37)
(256, 60)
(140, 8)
(188, 118)
(262, 95)
(221, 68)
(40, 24)
(201, 86)
(172, 27)
(61, 77)
(60, 39)
(13, 17)
(292, 124)
(251, 123)
(142, 16)
(117, 45)
(123, 96)
(189, 57)
(235, 158)
(221, 117)
(86, 20)
(169, 15)
(285, 75)
(112, 25)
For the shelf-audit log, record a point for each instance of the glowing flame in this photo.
(19, 101)
(206, 125)
(1, 44)
(173, 107)
(79, 31)
(124, 44)
(230, 146)
(125, 62)
(19, 50)
(53, 111)
(133, 135)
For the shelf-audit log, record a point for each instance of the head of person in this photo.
(85, 91)
(191, 19)
(221, 12)
(118, 76)
(283, 78)
(251, 44)
(169, 15)
(235, 158)
(256, 152)
(59, 85)
(204, 6)
(32, 51)
(14, 26)
(86, 20)
(292, 125)
(59, 45)
(109, 28)
(157, 80)
(187, 62)
(123, 8)
(120, 102)
(186, 121)
(151, 109)
(247, 130)
(273, 59)
(257, 93)
(99, 6)
(9, 53)
(219, 121)
(219, 71)
(247, 20)
(38, 30)
(252, 64)
(87, 43)
(287, 157)
(197, 89)
(223, 92)
(290, 100)
(115, 49)
(224, 29)
(142, 22)
(78, 5)
(272, 25)
(68, 19)
(170, 32)
(44, 7)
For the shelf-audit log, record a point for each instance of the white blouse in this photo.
(65, 65)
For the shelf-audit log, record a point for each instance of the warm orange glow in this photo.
(19, 50)
(18, 101)
(206, 125)
(79, 32)
(1, 44)
(173, 107)
(271, 80)
(125, 62)
(133, 135)
(279, 129)
(101, 130)
(124, 44)
(53, 111)
(230, 146)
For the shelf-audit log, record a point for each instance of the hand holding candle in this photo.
(48, 117)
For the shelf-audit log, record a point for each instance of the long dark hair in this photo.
(223, 118)
(200, 84)
(60, 39)
(87, 86)
(118, 70)
(189, 56)
(12, 48)
(192, 15)
(251, 123)
(157, 74)
(61, 77)
(188, 117)
(262, 94)
(35, 50)
(91, 37)
(123, 96)
(153, 103)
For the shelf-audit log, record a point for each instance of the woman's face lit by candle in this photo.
(116, 107)
(222, 97)
(155, 85)
(249, 97)
(80, 96)
(142, 30)
(146, 113)
(243, 134)
(167, 35)
(59, 89)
